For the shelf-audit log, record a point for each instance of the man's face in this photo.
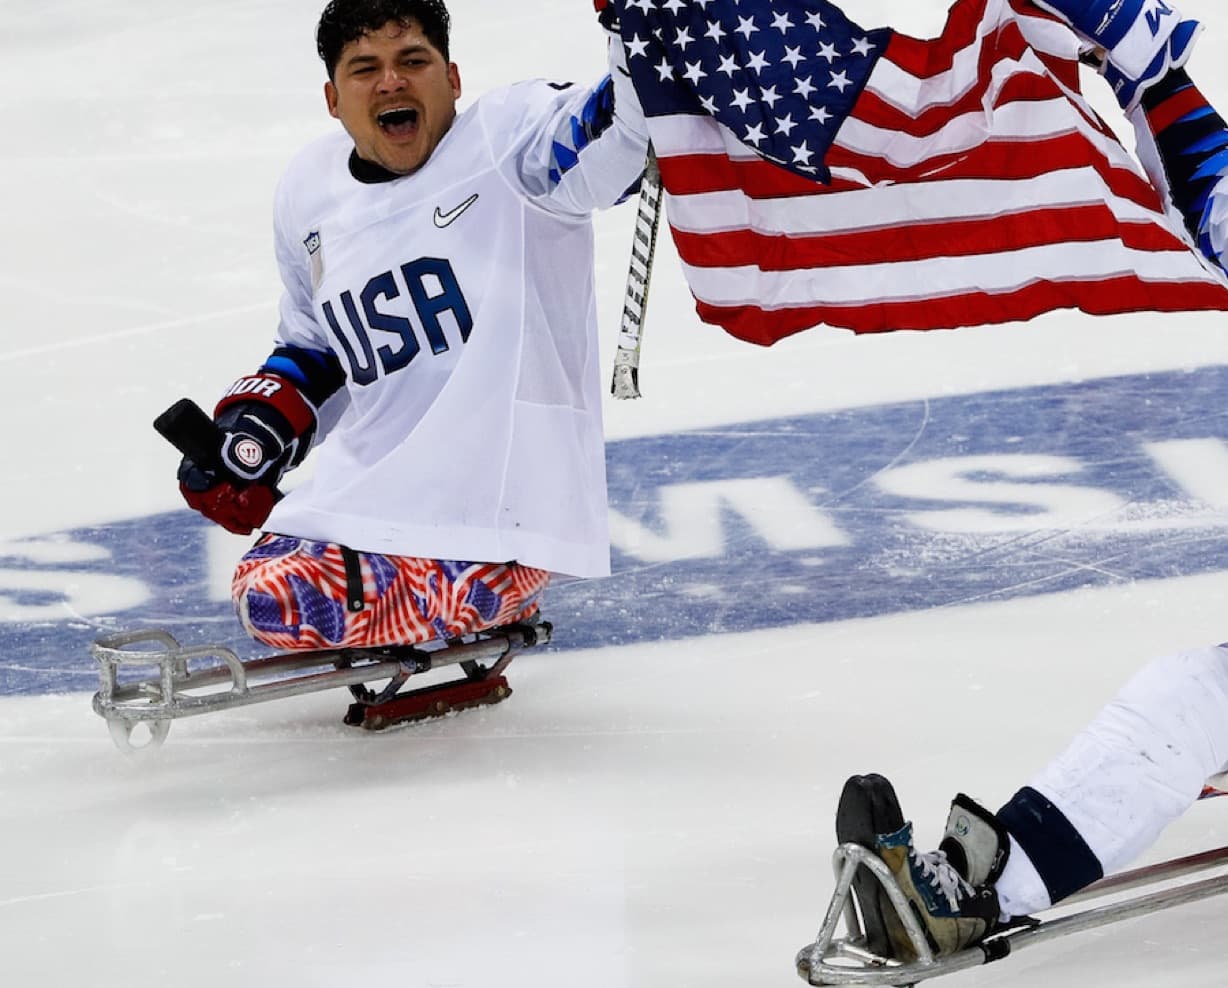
(395, 96)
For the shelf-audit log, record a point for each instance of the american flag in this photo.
(818, 172)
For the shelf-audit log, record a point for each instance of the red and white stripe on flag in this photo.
(972, 184)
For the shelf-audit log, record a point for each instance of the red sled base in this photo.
(429, 701)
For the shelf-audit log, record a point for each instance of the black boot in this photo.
(868, 807)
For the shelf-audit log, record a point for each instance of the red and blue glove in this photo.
(265, 427)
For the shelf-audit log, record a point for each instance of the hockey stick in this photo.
(626, 380)
(186, 427)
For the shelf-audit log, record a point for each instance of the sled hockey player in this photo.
(1144, 760)
(437, 346)
(1141, 48)
(1135, 768)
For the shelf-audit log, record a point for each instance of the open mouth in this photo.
(398, 122)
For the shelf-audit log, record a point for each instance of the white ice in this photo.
(651, 816)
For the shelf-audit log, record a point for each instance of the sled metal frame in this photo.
(200, 679)
(832, 960)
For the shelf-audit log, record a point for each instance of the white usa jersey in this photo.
(460, 302)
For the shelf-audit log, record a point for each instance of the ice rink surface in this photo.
(929, 555)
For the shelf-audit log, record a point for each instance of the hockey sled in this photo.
(184, 681)
(844, 960)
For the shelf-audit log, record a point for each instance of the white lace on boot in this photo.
(943, 878)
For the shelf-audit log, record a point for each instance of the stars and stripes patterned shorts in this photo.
(295, 593)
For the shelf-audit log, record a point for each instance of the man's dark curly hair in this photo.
(344, 21)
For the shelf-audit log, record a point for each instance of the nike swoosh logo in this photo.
(443, 219)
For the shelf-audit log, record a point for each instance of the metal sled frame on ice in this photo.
(833, 960)
(199, 679)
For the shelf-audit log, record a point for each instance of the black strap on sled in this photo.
(354, 600)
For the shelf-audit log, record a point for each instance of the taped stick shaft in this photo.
(187, 427)
(626, 383)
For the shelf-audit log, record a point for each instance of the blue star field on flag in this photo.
(781, 76)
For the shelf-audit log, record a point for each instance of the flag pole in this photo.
(626, 380)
